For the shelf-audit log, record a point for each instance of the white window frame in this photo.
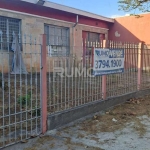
(6, 36)
(57, 45)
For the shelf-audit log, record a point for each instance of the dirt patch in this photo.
(117, 118)
(73, 146)
(41, 141)
(80, 135)
(33, 148)
(52, 145)
(44, 139)
(139, 127)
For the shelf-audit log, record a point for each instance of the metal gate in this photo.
(20, 93)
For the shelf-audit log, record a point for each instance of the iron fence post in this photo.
(44, 85)
(139, 79)
(104, 76)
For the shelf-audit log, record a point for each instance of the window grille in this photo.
(8, 26)
(93, 37)
(57, 40)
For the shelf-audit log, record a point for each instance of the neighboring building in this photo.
(38, 16)
(131, 28)
(66, 28)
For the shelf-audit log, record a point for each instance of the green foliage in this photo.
(23, 100)
(130, 5)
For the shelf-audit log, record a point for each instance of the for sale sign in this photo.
(107, 61)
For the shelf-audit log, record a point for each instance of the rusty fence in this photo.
(41, 80)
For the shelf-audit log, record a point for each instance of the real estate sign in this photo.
(107, 61)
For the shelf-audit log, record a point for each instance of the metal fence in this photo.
(58, 83)
(20, 107)
(74, 88)
(145, 67)
(71, 91)
(118, 84)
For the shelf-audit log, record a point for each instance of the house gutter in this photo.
(73, 28)
(77, 20)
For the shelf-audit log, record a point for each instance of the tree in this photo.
(130, 5)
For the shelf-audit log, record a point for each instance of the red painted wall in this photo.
(131, 29)
(21, 6)
(93, 22)
(30, 8)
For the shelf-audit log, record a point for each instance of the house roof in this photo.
(71, 10)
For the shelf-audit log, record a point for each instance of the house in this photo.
(131, 28)
(36, 17)
(66, 28)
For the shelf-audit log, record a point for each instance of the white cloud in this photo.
(127, 14)
(116, 16)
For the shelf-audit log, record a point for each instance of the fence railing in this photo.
(69, 91)
(66, 92)
(35, 83)
(20, 93)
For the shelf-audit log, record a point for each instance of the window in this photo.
(57, 40)
(93, 37)
(8, 26)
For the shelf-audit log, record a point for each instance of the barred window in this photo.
(8, 27)
(57, 40)
(93, 37)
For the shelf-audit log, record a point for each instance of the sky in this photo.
(108, 8)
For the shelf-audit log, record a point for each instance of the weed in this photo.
(23, 100)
